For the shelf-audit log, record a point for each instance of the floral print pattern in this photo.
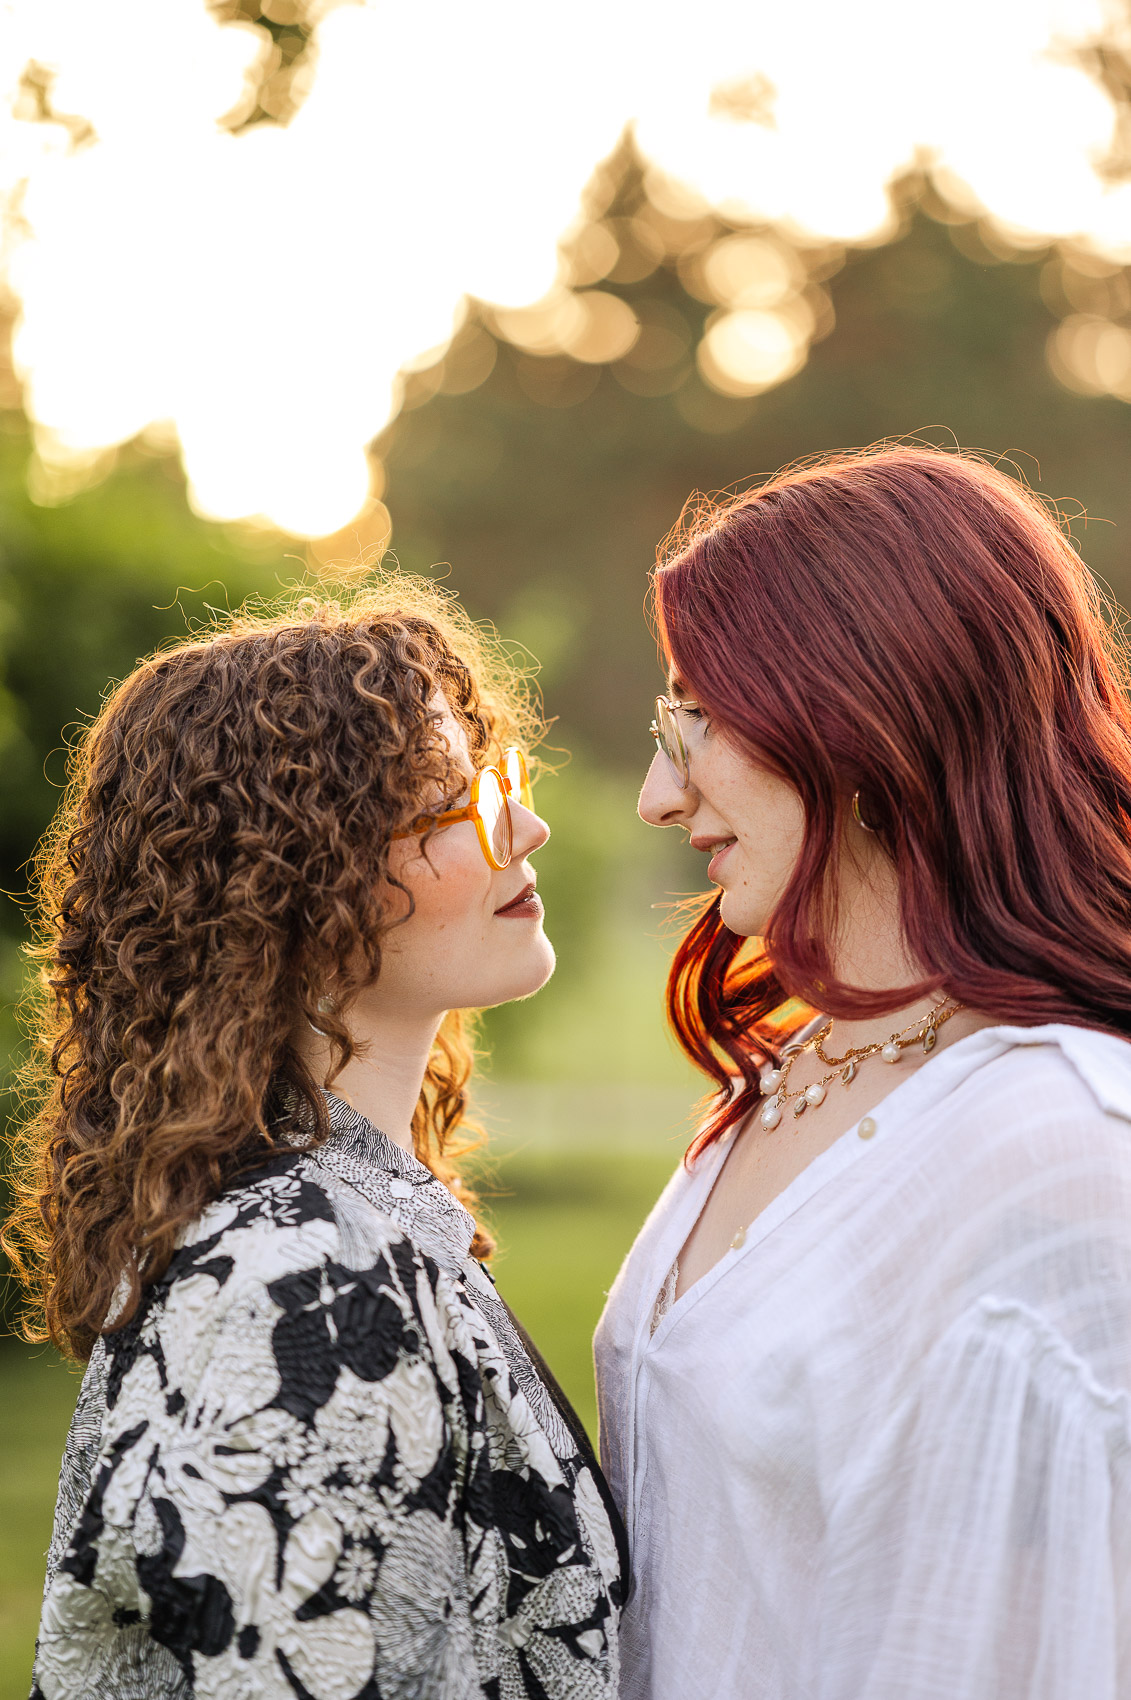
(322, 1462)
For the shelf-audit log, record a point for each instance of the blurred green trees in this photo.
(86, 588)
(550, 511)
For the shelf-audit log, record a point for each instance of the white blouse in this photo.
(883, 1451)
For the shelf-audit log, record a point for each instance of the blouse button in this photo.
(867, 1128)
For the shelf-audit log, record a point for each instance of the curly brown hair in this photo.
(220, 857)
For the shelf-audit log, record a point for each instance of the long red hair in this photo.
(914, 626)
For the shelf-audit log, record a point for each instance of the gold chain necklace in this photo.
(775, 1081)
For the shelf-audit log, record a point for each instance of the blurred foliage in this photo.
(37, 1396)
(86, 588)
(550, 509)
(282, 77)
(607, 882)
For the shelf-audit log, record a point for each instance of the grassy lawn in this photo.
(564, 1220)
(564, 1224)
(37, 1393)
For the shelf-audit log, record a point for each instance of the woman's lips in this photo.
(716, 859)
(527, 906)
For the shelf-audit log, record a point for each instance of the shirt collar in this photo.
(356, 1136)
(396, 1183)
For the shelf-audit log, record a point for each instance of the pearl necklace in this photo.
(775, 1081)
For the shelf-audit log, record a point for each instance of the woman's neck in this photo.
(853, 1035)
(383, 1079)
(872, 955)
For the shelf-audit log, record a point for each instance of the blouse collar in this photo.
(396, 1183)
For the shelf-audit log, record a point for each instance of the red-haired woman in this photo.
(865, 1377)
(313, 1453)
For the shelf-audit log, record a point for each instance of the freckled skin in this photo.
(752, 823)
(732, 797)
(453, 951)
(449, 950)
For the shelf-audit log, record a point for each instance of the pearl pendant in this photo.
(815, 1094)
(849, 1073)
(891, 1052)
(801, 1105)
(771, 1080)
(771, 1115)
(930, 1039)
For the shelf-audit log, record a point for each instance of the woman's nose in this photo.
(529, 831)
(662, 801)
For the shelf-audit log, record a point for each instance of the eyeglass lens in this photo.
(671, 741)
(494, 812)
(518, 777)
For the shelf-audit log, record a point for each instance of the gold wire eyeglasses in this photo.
(489, 807)
(665, 730)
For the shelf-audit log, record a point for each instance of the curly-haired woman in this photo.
(866, 1375)
(313, 1453)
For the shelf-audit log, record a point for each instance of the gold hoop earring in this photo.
(857, 816)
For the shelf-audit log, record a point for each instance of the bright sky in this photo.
(256, 294)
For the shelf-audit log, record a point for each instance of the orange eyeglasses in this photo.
(489, 807)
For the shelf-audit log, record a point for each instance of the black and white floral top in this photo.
(323, 1461)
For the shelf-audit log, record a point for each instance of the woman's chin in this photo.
(737, 915)
(524, 979)
(541, 967)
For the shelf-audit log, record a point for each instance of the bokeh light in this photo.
(248, 251)
(749, 351)
(1092, 355)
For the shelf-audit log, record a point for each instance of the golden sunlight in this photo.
(255, 290)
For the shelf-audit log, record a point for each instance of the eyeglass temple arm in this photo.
(451, 817)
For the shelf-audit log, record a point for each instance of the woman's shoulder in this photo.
(1023, 1138)
(1049, 1082)
(313, 1204)
(1086, 1064)
(284, 1214)
(269, 1298)
(280, 1242)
